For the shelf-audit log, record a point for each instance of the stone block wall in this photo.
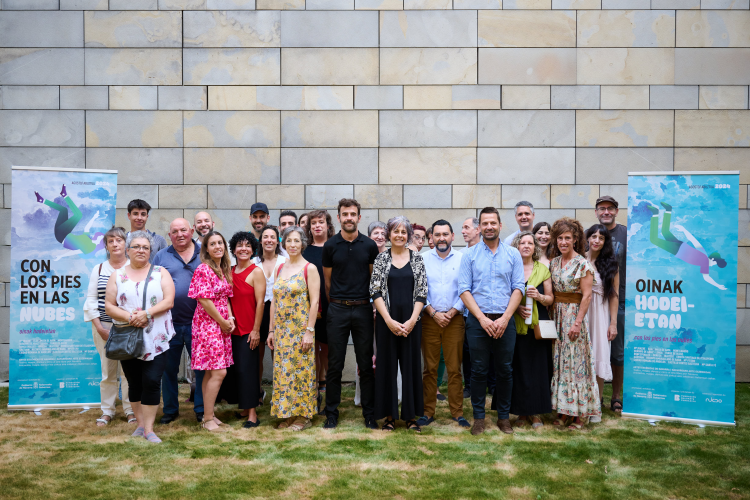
(430, 108)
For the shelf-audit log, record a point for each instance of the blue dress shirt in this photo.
(491, 278)
(442, 280)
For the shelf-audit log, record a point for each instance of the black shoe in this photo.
(199, 416)
(467, 393)
(462, 422)
(424, 420)
(370, 423)
(441, 397)
(165, 419)
(249, 424)
(331, 423)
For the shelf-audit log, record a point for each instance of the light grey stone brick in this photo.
(231, 129)
(743, 237)
(743, 327)
(3, 303)
(290, 97)
(574, 195)
(41, 29)
(232, 28)
(329, 165)
(41, 66)
(139, 165)
(611, 165)
(42, 128)
(146, 192)
(418, 165)
(84, 4)
(281, 196)
(725, 4)
(231, 196)
(319, 196)
(378, 97)
(133, 97)
(379, 195)
(476, 195)
(527, 66)
(134, 66)
(332, 66)
(232, 165)
(675, 4)
(712, 66)
(230, 5)
(182, 4)
(428, 196)
(7, 195)
(258, 66)
(673, 97)
(539, 165)
(133, 29)
(88, 97)
(133, 5)
(29, 97)
(4, 361)
(329, 129)
(617, 191)
(4, 323)
(113, 129)
(428, 28)
(626, 28)
(475, 96)
(510, 128)
(191, 196)
(485, 4)
(575, 96)
(626, 4)
(428, 66)
(329, 5)
(329, 29)
(537, 195)
(187, 98)
(428, 128)
(38, 157)
(30, 4)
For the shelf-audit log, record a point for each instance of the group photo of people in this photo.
(533, 322)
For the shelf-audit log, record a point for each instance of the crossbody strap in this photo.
(145, 286)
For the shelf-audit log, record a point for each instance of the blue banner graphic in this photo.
(58, 221)
(680, 316)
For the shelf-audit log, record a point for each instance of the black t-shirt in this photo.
(314, 255)
(350, 266)
(620, 235)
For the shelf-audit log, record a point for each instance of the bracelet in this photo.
(434, 312)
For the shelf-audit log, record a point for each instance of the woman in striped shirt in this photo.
(93, 311)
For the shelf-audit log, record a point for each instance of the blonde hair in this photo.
(226, 263)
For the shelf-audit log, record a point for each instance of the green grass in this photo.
(62, 454)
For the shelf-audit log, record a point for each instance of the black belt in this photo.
(350, 302)
(493, 317)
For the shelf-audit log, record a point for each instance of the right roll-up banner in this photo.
(681, 300)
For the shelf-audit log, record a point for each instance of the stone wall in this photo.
(431, 108)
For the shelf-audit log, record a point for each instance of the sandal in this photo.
(411, 425)
(520, 422)
(536, 422)
(300, 424)
(217, 429)
(575, 426)
(389, 425)
(285, 424)
(102, 421)
(616, 405)
(560, 422)
(131, 418)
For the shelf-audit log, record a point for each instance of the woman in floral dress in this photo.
(294, 311)
(574, 389)
(213, 321)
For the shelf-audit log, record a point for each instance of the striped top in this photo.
(94, 305)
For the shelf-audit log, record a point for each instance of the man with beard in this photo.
(347, 266)
(491, 286)
(524, 218)
(202, 224)
(260, 218)
(442, 324)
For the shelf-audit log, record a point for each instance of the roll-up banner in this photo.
(58, 221)
(681, 300)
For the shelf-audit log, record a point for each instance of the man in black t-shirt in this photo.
(606, 211)
(347, 265)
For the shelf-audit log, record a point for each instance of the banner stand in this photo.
(687, 421)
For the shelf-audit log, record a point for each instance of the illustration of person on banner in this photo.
(695, 255)
(65, 224)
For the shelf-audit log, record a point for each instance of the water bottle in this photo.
(529, 305)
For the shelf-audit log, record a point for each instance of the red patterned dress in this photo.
(212, 348)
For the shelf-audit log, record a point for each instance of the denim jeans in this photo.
(183, 336)
(482, 346)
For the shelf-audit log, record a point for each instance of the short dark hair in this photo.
(139, 204)
(441, 222)
(241, 236)
(288, 213)
(349, 202)
(489, 210)
(523, 203)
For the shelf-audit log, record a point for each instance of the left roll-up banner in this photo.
(58, 221)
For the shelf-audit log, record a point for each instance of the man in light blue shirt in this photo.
(442, 324)
(491, 286)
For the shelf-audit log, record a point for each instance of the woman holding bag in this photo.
(128, 289)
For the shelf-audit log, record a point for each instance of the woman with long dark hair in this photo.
(542, 232)
(603, 310)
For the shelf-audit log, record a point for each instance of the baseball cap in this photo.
(259, 207)
(609, 199)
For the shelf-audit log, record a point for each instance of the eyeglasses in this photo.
(607, 209)
(418, 238)
(139, 248)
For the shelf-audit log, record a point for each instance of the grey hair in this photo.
(115, 232)
(294, 229)
(395, 222)
(375, 225)
(523, 203)
(537, 249)
(474, 222)
(140, 234)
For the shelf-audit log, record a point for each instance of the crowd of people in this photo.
(413, 305)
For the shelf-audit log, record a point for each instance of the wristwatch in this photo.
(148, 316)
(310, 329)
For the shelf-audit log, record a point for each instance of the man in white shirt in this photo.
(524, 219)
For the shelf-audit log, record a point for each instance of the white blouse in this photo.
(280, 259)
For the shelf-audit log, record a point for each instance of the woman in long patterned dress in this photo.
(212, 321)
(294, 310)
(574, 389)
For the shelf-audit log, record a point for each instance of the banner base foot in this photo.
(689, 421)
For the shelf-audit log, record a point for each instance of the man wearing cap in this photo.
(606, 212)
(260, 218)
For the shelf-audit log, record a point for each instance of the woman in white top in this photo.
(93, 311)
(123, 303)
(269, 261)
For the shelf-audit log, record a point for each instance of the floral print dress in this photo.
(294, 380)
(159, 331)
(574, 389)
(212, 348)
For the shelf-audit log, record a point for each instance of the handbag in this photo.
(126, 341)
(546, 329)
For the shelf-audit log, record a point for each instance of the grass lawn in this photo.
(62, 454)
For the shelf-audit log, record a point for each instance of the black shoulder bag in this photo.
(126, 341)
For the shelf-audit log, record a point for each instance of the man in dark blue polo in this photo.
(180, 259)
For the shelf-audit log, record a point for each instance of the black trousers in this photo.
(242, 384)
(343, 320)
(467, 369)
(144, 379)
